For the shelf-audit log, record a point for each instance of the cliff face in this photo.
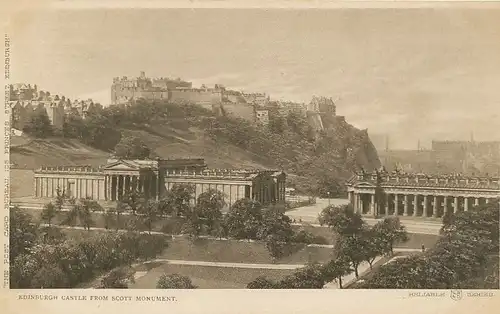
(349, 146)
(340, 150)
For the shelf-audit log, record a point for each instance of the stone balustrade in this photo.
(68, 169)
(452, 180)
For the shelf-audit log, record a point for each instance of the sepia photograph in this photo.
(339, 148)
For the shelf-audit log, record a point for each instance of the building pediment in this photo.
(364, 184)
(121, 165)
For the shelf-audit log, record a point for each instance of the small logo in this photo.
(456, 295)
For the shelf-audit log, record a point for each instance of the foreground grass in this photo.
(208, 277)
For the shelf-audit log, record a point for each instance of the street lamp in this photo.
(328, 193)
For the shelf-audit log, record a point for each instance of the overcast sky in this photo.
(412, 73)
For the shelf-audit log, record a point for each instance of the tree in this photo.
(180, 196)
(348, 247)
(276, 230)
(244, 220)
(277, 124)
(51, 235)
(48, 213)
(459, 260)
(336, 269)
(209, 208)
(149, 213)
(22, 233)
(342, 219)
(74, 126)
(81, 211)
(119, 210)
(174, 281)
(39, 124)
(132, 148)
(49, 276)
(372, 246)
(131, 200)
(388, 232)
(309, 277)
(60, 200)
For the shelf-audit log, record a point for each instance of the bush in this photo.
(117, 279)
(81, 261)
(174, 281)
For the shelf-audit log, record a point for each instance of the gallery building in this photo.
(153, 178)
(419, 195)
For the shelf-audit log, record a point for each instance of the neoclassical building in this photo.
(154, 177)
(419, 195)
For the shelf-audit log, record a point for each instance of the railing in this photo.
(435, 180)
(68, 169)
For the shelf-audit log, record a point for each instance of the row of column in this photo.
(75, 186)
(416, 205)
(117, 185)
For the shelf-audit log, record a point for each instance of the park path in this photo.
(309, 215)
(346, 280)
(230, 265)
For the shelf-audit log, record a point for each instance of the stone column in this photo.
(136, 184)
(406, 206)
(111, 189)
(121, 186)
(455, 205)
(372, 204)
(466, 203)
(117, 187)
(349, 197)
(415, 205)
(387, 205)
(445, 204)
(424, 213)
(396, 204)
(35, 187)
(107, 188)
(126, 184)
(158, 186)
(435, 207)
(141, 184)
(476, 201)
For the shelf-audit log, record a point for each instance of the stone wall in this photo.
(197, 96)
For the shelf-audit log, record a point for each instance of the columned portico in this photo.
(420, 195)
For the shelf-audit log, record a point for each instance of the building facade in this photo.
(419, 195)
(25, 101)
(154, 177)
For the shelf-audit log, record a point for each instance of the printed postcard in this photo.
(229, 156)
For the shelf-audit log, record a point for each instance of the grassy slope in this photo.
(166, 141)
(34, 153)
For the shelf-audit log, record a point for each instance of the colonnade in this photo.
(414, 204)
(118, 184)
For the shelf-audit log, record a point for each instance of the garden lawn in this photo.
(209, 277)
